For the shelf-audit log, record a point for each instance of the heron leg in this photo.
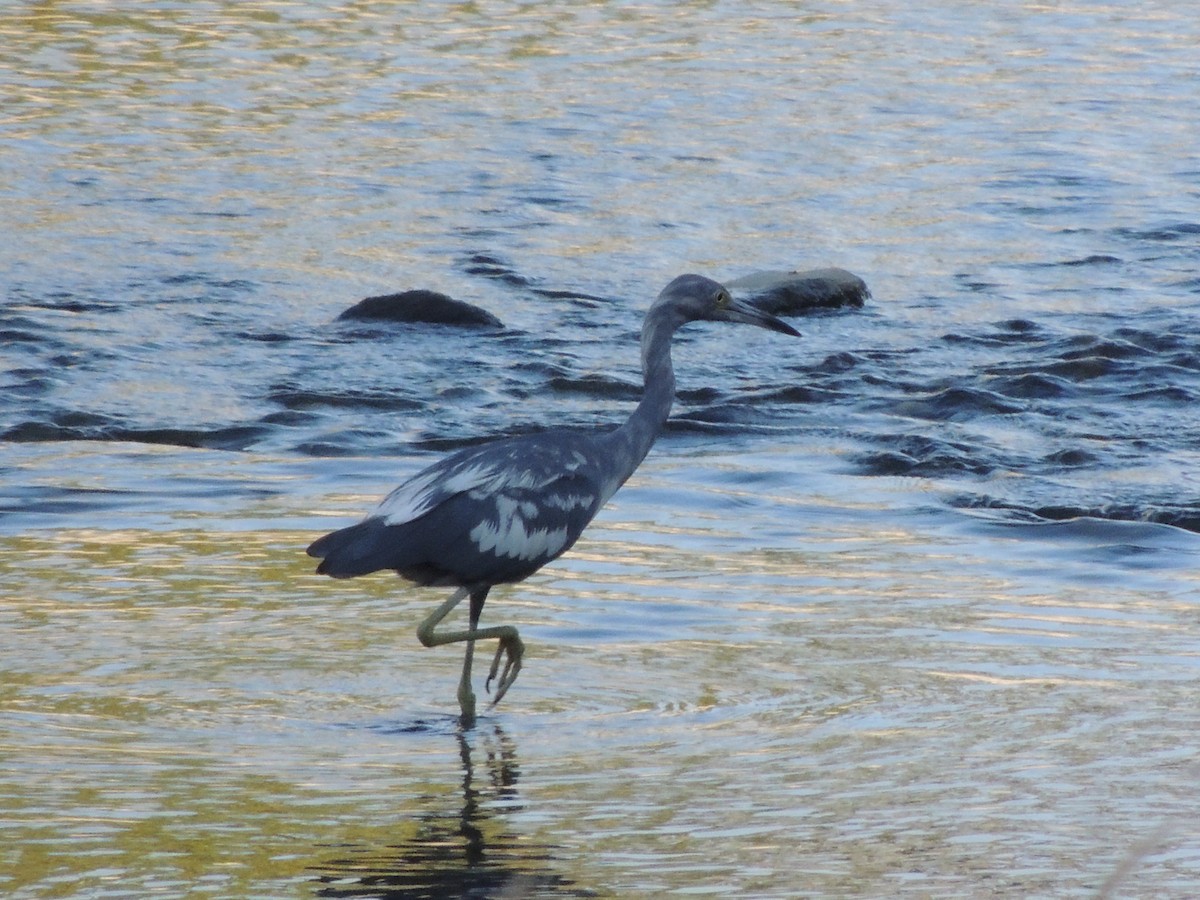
(510, 646)
(466, 696)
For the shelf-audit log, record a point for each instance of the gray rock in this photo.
(790, 293)
(420, 306)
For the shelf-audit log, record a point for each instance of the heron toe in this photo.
(512, 647)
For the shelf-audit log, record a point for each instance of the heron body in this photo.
(497, 512)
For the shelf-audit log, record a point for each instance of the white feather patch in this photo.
(425, 490)
(511, 539)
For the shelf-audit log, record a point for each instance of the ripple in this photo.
(86, 427)
(1085, 519)
(954, 403)
(298, 398)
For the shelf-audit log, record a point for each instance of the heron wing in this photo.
(486, 515)
(499, 511)
(530, 464)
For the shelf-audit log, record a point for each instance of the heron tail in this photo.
(359, 549)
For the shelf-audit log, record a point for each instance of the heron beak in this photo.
(741, 311)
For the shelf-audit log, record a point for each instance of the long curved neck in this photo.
(631, 442)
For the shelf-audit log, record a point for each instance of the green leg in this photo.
(466, 696)
(510, 647)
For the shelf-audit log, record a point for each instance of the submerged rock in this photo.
(420, 306)
(789, 293)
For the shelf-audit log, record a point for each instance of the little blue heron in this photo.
(497, 512)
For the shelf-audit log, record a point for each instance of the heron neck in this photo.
(633, 440)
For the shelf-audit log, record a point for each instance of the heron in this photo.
(497, 512)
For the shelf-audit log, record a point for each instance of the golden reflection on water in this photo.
(156, 720)
(194, 708)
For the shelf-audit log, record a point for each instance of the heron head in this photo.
(696, 298)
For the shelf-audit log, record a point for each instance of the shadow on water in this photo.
(466, 851)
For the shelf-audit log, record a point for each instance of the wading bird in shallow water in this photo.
(498, 512)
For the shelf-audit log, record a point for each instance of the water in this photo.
(908, 607)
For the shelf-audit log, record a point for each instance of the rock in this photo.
(420, 306)
(790, 293)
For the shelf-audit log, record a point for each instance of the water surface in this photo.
(906, 608)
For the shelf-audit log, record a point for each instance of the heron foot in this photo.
(466, 703)
(511, 649)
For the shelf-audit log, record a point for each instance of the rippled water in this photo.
(909, 607)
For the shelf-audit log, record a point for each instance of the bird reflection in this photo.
(467, 852)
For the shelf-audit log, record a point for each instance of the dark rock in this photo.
(790, 293)
(420, 306)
